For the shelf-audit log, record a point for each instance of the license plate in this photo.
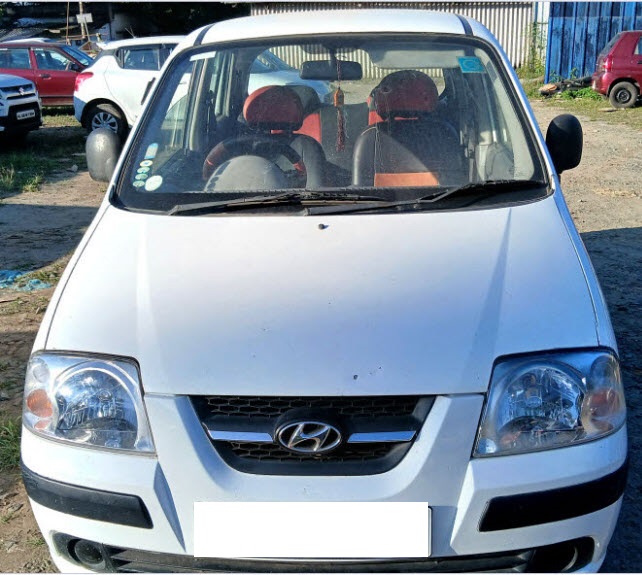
(328, 530)
(25, 114)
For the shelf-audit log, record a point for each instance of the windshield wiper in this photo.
(287, 198)
(482, 190)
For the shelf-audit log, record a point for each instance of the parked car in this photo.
(84, 58)
(250, 365)
(20, 110)
(109, 93)
(618, 72)
(51, 67)
(268, 69)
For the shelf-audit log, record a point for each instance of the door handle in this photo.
(45, 76)
(639, 61)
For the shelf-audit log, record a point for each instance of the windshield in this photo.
(392, 117)
(79, 55)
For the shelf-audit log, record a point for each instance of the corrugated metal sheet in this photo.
(510, 22)
(579, 30)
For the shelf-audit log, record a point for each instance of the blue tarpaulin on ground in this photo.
(8, 280)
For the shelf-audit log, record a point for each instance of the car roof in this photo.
(337, 22)
(143, 41)
(30, 43)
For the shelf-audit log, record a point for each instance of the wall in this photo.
(579, 30)
(510, 22)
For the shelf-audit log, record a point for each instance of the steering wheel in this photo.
(262, 146)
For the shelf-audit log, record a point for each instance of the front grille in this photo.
(251, 406)
(13, 92)
(273, 452)
(227, 418)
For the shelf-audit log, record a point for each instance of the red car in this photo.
(618, 72)
(49, 66)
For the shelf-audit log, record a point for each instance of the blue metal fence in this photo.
(577, 32)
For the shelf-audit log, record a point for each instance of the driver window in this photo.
(51, 60)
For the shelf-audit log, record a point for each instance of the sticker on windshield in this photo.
(141, 177)
(151, 152)
(138, 184)
(142, 170)
(146, 163)
(471, 65)
(153, 183)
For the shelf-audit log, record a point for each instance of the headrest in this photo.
(308, 96)
(405, 93)
(273, 108)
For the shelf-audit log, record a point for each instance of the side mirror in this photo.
(565, 141)
(103, 149)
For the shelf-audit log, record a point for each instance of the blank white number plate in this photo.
(312, 530)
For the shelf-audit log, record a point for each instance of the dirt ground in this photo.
(40, 229)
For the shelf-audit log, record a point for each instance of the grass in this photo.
(588, 103)
(55, 146)
(36, 541)
(9, 443)
(24, 304)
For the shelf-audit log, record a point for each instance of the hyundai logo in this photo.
(310, 437)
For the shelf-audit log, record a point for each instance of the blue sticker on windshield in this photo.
(151, 152)
(471, 65)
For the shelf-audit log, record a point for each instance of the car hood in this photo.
(352, 304)
(10, 81)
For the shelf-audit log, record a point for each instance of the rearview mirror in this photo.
(103, 149)
(331, 71)
(565, 141)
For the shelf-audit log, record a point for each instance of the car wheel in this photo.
(107, 116)
(623, 95)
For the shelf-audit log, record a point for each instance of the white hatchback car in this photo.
(349, 337)
(109, 93)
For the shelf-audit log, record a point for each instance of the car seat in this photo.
(272, 114)
(410, 146)
(321, 122)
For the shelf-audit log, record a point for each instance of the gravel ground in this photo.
(604, 195)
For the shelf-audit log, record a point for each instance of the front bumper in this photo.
(460, 492)
(10, 124)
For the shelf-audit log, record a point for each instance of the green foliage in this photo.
(25, 165)
(583, 93)
(9, 443)
(534, 67)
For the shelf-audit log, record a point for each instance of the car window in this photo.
(610, 45)
(405, 115)
(638, 48)
(15, 58)
(140, 58)
(79, 55)
(47, 59)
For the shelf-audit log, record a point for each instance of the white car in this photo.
(365, 337)
(268, 69)
(20, 107)
(109, 93)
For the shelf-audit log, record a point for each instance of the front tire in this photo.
(623, 95)
(107, 116)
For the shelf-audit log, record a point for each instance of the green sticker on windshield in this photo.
(471, 65)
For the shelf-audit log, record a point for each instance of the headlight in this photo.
(86, 401)
(551, 401)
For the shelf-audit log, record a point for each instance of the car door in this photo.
(16, 61)
(55, 76)
(128, 79)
